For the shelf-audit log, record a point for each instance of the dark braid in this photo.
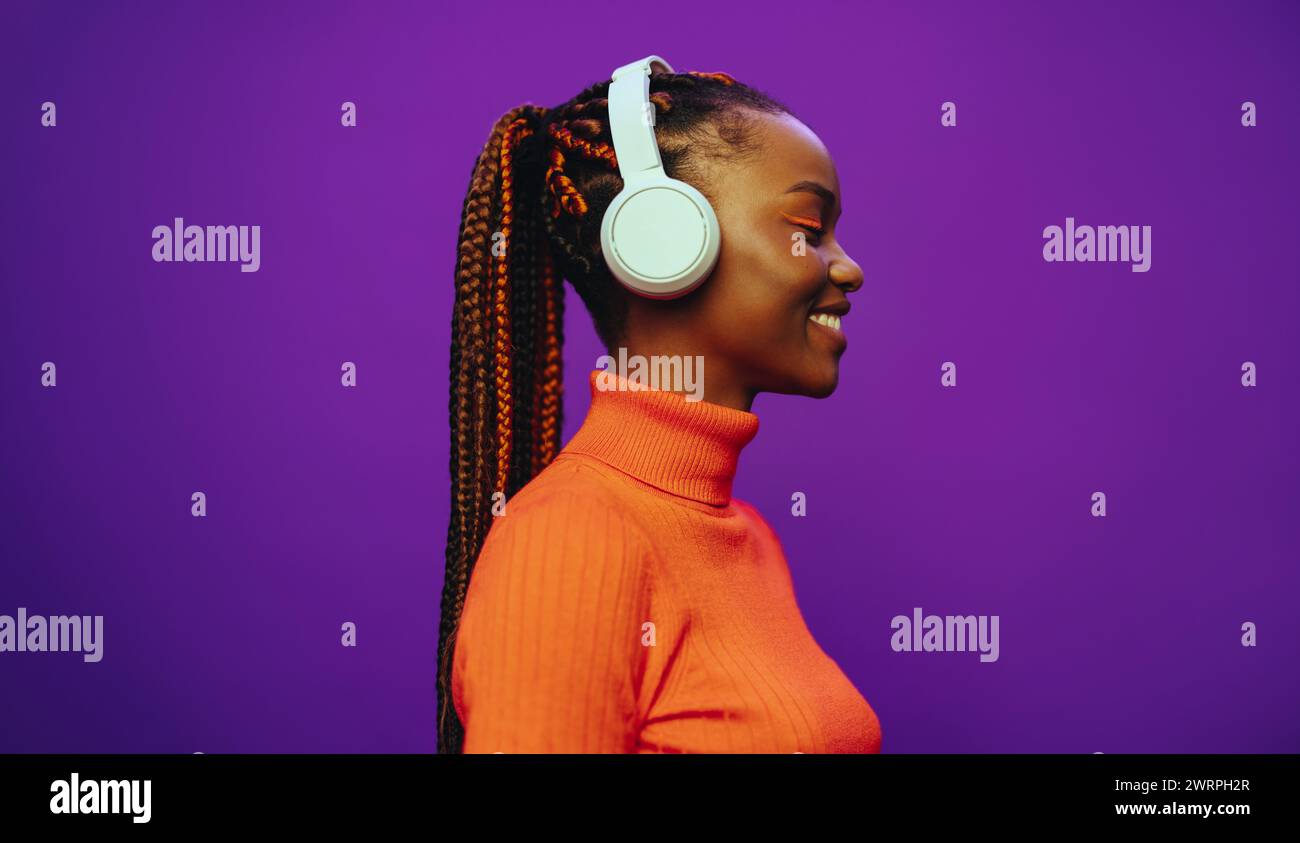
(541, 184)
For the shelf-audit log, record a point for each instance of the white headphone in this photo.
(660, 236)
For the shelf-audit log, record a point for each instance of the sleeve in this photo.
(549, 656)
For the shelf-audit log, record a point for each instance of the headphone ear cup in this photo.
(660, 237)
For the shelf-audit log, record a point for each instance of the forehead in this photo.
(789, 152)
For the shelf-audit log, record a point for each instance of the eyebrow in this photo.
(816, 188)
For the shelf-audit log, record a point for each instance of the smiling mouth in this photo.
(827, 320)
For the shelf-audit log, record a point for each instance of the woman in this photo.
(613, 596)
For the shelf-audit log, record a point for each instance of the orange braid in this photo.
(724, 78)
(600, 151)
(567, 195)
(517, 131)
(551, 359)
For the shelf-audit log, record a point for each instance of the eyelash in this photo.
(813, 228)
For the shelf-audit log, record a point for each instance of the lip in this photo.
(836, 337)
(838, 308)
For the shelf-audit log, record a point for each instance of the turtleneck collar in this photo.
(687, 448)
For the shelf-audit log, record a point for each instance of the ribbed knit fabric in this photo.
(625, 602)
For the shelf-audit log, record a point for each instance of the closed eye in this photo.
(808, 223)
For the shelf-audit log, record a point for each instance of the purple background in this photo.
(328, 504)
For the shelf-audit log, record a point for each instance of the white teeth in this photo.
(832, 322)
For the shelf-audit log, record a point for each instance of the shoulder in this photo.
(765, 537)
(571, 487)
(570, 518)
(749, 512)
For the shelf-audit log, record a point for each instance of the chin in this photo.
(816, 376)
(821, 384)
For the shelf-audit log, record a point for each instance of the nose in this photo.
(845, 273)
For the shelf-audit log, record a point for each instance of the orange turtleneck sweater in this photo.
(625, 602)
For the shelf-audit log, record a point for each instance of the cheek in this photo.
(790, 284)
(774, 285)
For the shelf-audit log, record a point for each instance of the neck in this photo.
(688, 448)
(720, 385)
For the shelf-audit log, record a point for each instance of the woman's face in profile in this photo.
(780, 264)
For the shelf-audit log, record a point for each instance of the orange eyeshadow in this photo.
(797, 220)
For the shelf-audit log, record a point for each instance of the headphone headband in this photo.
(631, 118)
